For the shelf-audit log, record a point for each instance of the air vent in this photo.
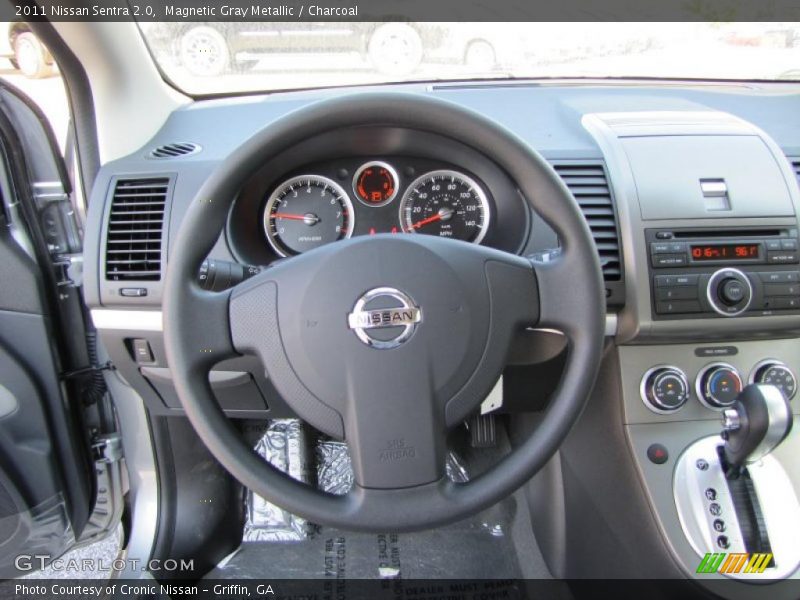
(796, 167)
(133, 240)
(589, 185)
(175, 150)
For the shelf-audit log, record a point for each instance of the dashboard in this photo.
(689, 190)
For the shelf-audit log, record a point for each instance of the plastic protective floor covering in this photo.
(495, 544)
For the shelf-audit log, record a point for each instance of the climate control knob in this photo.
(664, 389)
(718, 385)
(729, 292)
(774, 372)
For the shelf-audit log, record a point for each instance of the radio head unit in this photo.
(726, 273)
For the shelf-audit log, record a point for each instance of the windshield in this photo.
(218, 58)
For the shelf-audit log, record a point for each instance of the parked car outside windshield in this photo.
(219, 58)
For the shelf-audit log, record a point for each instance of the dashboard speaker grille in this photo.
(589, 184)
(135, 227)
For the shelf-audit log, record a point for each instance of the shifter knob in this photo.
(759, 421)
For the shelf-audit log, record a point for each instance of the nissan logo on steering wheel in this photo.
(384, 318)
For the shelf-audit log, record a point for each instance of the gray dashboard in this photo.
(547, 116)
(558, 119)
(636, 155)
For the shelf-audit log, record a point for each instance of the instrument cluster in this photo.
(308, 210)
(297, 203)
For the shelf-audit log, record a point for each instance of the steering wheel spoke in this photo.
(205, 327)
(397, 437)
(422, 501)
(563, 283)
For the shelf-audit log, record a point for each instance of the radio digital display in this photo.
(702, 252)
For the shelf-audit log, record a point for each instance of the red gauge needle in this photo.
(308, 218)
(287, 216)
(431, 219)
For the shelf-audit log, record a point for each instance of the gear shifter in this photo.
(737, 496)
(759, 421)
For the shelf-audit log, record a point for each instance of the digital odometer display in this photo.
(702, 252)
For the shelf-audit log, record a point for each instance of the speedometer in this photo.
(305, 212)
(445, 203)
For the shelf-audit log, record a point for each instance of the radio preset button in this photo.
(786, 303)
(782, 289)
(676, 280)
(780, 277)
(683, 292)
(676, 307)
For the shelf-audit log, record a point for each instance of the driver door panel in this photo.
(46, 477)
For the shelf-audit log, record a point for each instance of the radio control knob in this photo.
(773, 372)
(729, 292)
(664, 389)
(718, 385)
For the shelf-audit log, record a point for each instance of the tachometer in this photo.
(445, 203)
(305, 212)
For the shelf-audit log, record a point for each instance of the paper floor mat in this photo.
(480, 547)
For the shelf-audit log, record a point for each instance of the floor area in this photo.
(497, 543)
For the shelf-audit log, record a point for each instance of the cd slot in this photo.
(729, 233)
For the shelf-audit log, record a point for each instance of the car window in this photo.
(214, 58)
(26, 63)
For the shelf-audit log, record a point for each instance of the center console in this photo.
(707, 207)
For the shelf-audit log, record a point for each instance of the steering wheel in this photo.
(385, 341)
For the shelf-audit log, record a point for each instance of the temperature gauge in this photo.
(375, 183)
